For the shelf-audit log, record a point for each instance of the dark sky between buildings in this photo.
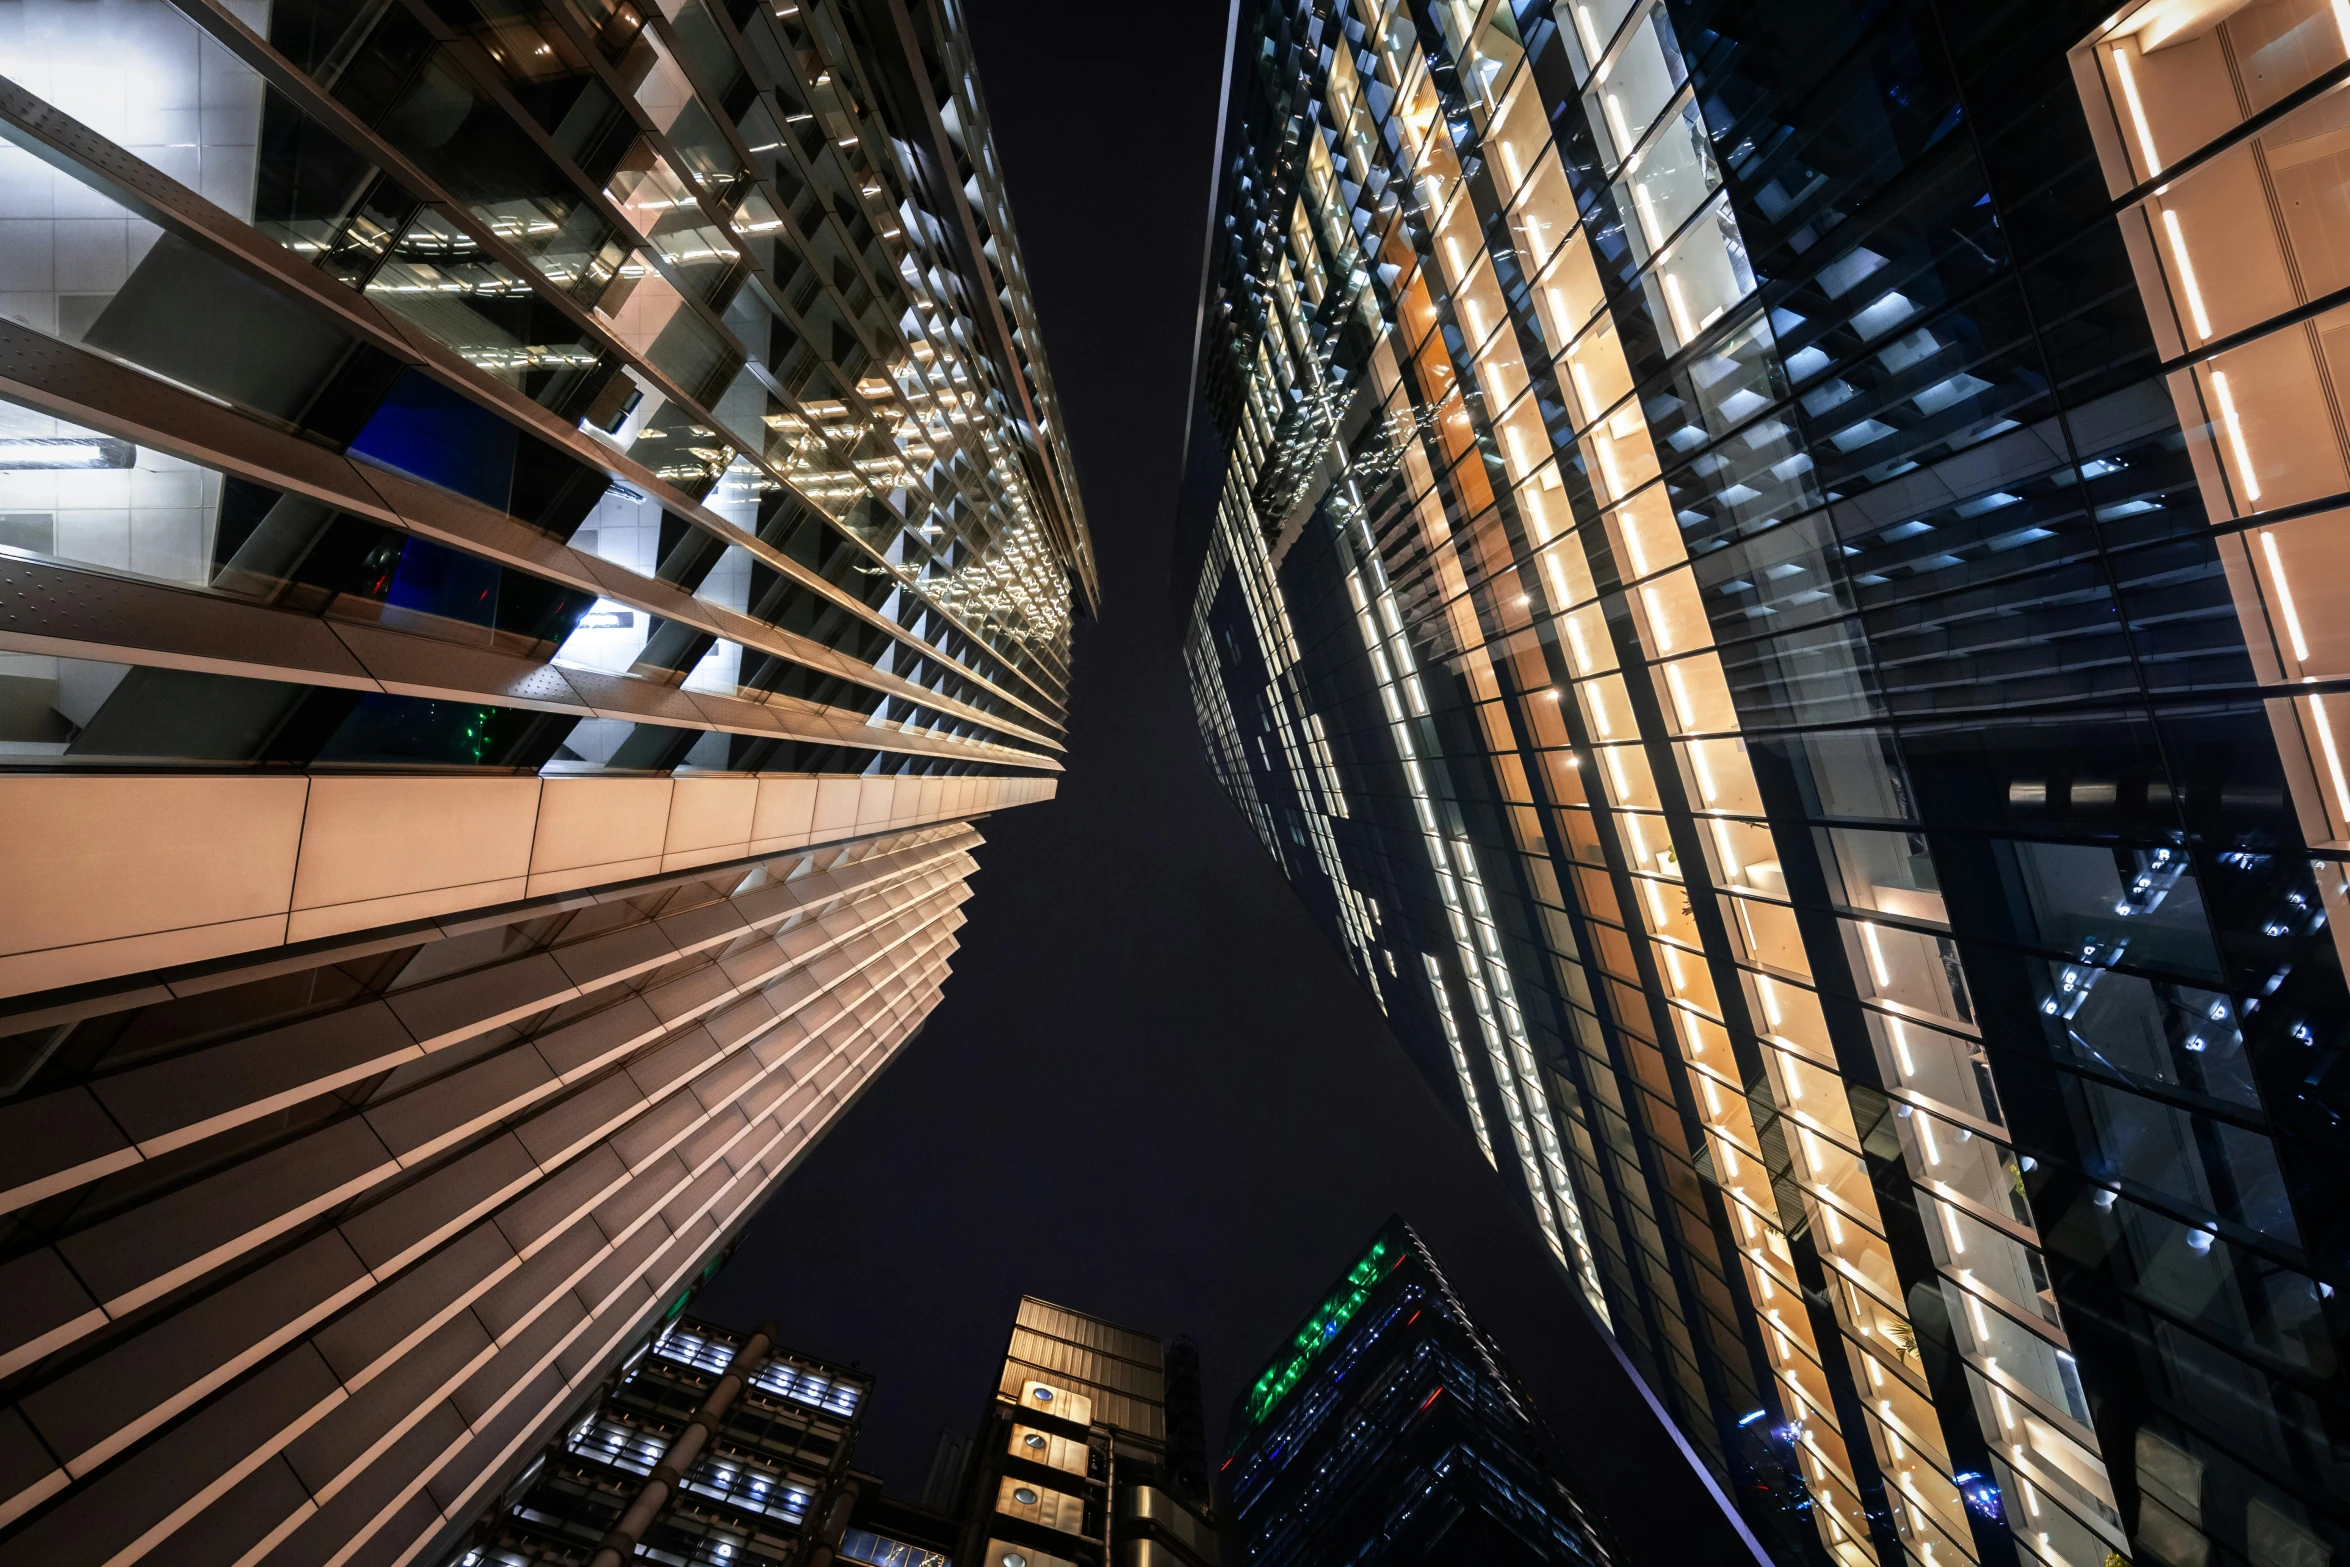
(1153, 1091)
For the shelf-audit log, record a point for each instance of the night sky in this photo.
(1153, 1091)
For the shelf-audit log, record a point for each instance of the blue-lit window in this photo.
(814, 1388)
(753, 1488)
(440, 436)
(691, 1349)
(609, 1442)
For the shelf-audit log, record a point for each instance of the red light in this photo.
(1431, 1398)
(1226, 1464)
(1414, 1317)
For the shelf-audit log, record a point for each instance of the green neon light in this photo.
(1323, 1326)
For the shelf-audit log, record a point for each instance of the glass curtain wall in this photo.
(692, 311)
(1725, 510)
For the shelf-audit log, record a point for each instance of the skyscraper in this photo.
(1765, 568)
(1388, 1429)
(528, 533)
(1079, 1458)
(705, 1446)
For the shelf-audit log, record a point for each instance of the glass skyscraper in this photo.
(1768, 571)
(528, 534)
(1389, 1431)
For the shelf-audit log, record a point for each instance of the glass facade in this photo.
(528, 535)
(1389, 1430)
(680, 436)
(1764, 570)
